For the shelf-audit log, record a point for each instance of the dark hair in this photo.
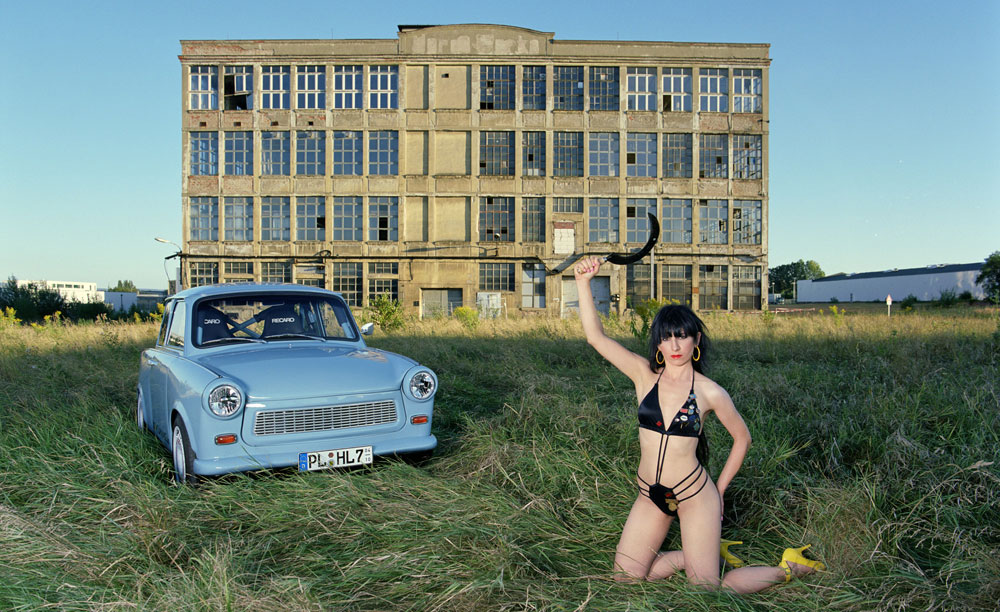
(672, 320)
(676, 319)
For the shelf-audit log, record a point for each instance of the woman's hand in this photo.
(587, 268)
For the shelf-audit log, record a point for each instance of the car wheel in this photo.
(180, 447)
(140, 415)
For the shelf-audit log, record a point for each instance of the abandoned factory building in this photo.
(473, 164)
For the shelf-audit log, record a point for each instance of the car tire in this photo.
(180, 449)
(140, 414)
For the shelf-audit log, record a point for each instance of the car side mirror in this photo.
(367, 329)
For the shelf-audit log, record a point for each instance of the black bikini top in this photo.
(686, 423)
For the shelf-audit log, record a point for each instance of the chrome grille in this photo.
(327, 418)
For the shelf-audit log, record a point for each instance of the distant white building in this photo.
(145, 299)
(73, 291)
(925, 284)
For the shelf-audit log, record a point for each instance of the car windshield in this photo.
(266, 317)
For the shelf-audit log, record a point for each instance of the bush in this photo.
(966, 296)
(908, 302)
(947, 298)
(31, 303)
(646, 311)
(468, 317)
(387, 313)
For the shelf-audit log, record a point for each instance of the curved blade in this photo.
(654, 233)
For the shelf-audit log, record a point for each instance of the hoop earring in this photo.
(697, 348)
(659, 357)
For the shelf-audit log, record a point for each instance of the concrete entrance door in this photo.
(600, 286)
(439, 302)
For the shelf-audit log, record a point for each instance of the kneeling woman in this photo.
(674, 399)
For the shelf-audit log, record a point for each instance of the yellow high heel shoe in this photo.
(794, 555)
(729, 557)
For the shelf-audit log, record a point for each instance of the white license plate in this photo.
(336, 458)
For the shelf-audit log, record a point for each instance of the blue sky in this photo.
(884, 123)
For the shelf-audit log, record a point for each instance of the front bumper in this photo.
(286, 455)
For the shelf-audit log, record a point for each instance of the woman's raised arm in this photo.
(629, 363)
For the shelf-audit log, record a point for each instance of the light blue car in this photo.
(253, 376)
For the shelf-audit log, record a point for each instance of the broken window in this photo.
(239, 154)
(677, 90)
(275, 153)
(747, 163)
(604, 154)
(676, 221)
(533, 87)
(567, 153)
(747, 87)
(640, 85)
(237, 219)
(383, 87)
(310, 87)
(345, 278)
(203, 219)
(533, 153)
(496, 87)
(496, 153)
(640, 155)
(310, 218)
(713, 156)
(347, 83)
(275, 82)
(604, 88)
(237, 87)
(496, 277)
(346, 217)
(275, 272)
(603, 220)
(567, 87)
(204, 88)
(713, 221)
(675, 284)
(204, 153)
(533, 219)
(310, 153)
(275, 219)
(677, 155)
(532, 286)
(713, 84)
(383, 153)
(747, 222)
(347, 154)
(637, 218)
(383, 218)
(496, 219)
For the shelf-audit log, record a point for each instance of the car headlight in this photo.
(225, 400)
(422, 385)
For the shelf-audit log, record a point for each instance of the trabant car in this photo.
(253, 376)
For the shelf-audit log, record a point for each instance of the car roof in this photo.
(226, 289)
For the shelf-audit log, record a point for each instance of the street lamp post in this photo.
(179, 254)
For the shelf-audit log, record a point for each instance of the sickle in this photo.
(654, 233)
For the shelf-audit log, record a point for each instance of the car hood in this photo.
(289, 370)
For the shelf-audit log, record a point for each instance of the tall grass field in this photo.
(875, 439)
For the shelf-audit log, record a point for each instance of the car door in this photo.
(166, 356)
